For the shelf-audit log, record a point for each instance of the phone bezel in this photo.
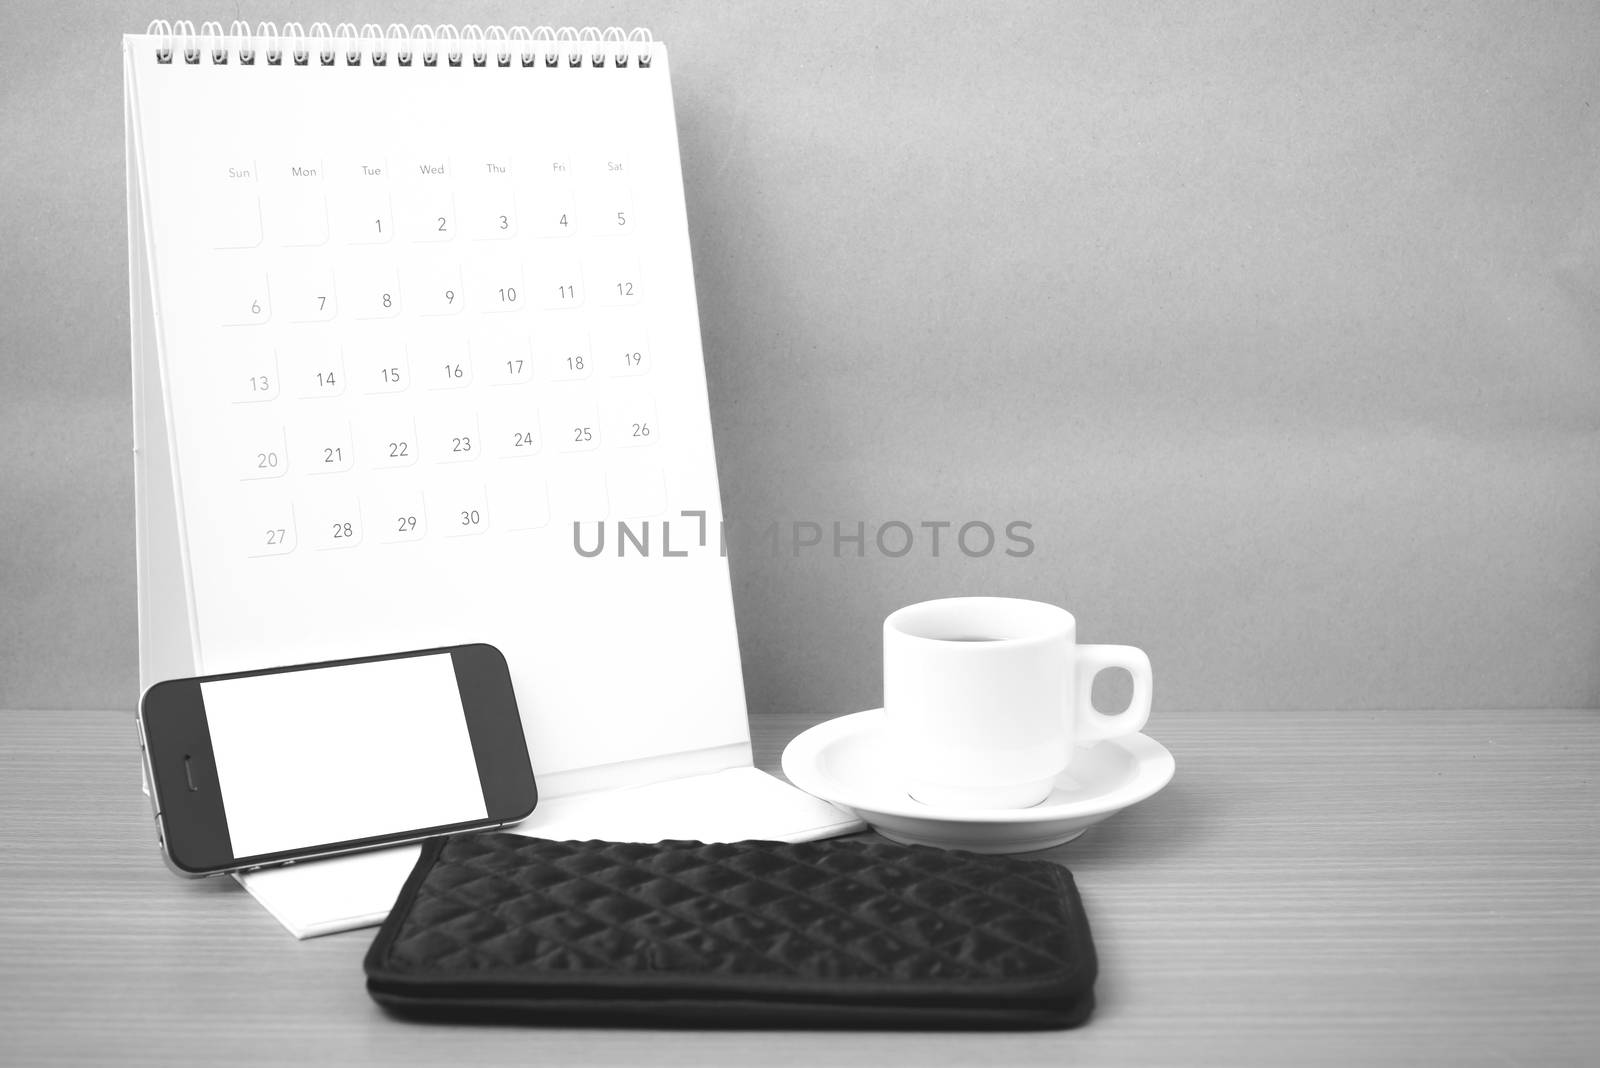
(192, 822)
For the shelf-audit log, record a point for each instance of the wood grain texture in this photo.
(1312, 888)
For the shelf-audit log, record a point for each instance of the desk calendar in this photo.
(408, 304)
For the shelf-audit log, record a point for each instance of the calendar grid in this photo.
(516, 281)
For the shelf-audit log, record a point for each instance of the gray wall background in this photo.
(1280, 324)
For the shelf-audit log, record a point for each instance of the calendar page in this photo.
(414, 322)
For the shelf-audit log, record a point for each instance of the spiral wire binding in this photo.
(211, 41)
(524, 40)
(322, 34)
(372, 41)
(271, 43)
(346, 42)
(448, 33)
(568, 36)
(295, 35)
(480, 55)
(502, 53)
(351, 46)
(240, 30)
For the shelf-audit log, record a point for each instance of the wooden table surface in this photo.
(1312, 888)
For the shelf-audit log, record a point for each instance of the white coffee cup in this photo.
(986, 698)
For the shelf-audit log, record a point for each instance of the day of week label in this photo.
(358, 168)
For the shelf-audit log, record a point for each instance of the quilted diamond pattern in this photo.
(528, 917)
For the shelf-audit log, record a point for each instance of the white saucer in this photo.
(847, 761)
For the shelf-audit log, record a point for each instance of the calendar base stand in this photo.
(734, 804)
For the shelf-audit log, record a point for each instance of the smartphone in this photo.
(257, 768)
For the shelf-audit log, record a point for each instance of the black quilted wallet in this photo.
(824, 934)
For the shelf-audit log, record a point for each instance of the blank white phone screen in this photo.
(308, 758)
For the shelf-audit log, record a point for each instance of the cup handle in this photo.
(1093, 725)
